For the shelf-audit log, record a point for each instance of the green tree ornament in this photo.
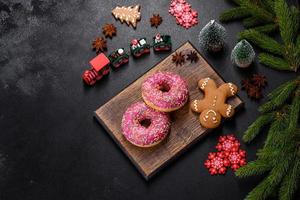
(212, 37)
(242, 54)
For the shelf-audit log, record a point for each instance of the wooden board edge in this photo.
(120, 146)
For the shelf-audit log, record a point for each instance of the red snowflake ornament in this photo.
(185, 15)
(187, 19)
(229, 155)
(179, 6)
(228, 143)
(237, 159)
(215, 164)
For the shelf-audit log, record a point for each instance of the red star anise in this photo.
(99, 45)
(178, 58)
(155, 20)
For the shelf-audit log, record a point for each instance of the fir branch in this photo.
(262, 40)
(287, 22)
(295, 111)
(289, 182)
(280, 99)
(268, 5)
(257, 167)
(268, 28)
(256, 126)
(253, 21)
(257, 11)
(268, 185)
(234, 13)
(278, 90)
(274, 62)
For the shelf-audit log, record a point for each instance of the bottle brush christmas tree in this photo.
(212, 37)
(242, 54)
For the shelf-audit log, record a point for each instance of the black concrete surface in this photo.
(50, 145)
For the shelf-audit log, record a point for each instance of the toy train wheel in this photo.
(105, 72)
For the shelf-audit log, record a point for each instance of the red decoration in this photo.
(229, 155)
(185, 16)
(99, 68)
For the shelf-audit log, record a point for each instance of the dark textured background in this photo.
(50, 145)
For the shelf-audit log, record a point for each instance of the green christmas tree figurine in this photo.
(212, 36)
(242, 54)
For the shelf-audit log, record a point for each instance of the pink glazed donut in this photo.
(143, 126)
(165, 91)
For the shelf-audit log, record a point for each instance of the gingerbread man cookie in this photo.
(213, 107)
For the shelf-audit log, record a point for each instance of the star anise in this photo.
(109, 30)
(247, 84)
(254, 92)
(99, 45)
(178, 58)
(192, 56)
(259, 80)
(155, 20)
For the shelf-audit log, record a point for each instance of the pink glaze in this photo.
(140, 135)
(175, 97)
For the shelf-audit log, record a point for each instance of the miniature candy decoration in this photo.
(242, 54)
(213, 107)
(229, 155)
(99, 68)
(162, 43)
(155, 20)
(139, 47)
(129, 14)
(212, 37)
(109, 30)
(118, 57)
(185, 16)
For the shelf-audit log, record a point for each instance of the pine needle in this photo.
(257, 167)
(262, 40)
(289, 183)
(234, 14)
(274, 62)
(288, 22)
(280, 99)
(256, 126)
(268, 185)
(268, 28)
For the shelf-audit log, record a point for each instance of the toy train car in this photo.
(99, 68)
(162, 43)
(139, 47)
(118, 58)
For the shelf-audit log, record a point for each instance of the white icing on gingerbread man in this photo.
(213, 107)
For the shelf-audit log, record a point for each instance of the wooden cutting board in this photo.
(185, 128)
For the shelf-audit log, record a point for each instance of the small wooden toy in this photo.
(99, 68)
(118, 57)
(139, 47)
(162, 43)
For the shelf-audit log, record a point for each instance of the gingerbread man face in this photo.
(213, 106)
